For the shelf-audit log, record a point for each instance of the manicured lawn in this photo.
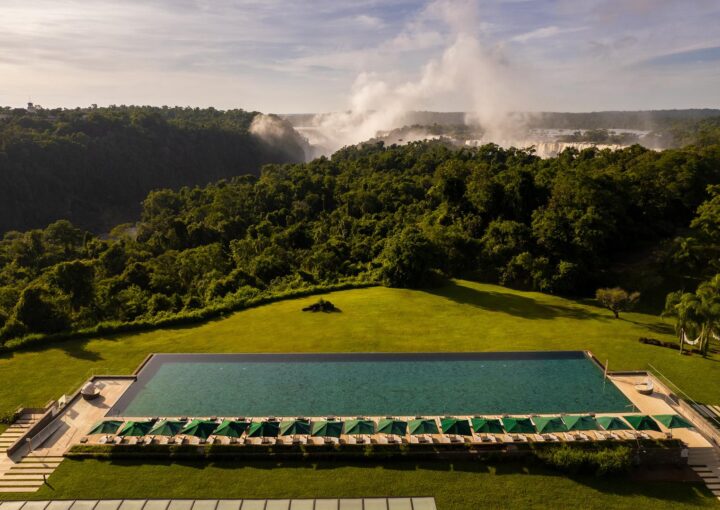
(461, 485)
(463, 316)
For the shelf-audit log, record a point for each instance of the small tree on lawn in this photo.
(616, 299)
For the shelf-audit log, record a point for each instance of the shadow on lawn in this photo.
(74, 347)
(512, 304)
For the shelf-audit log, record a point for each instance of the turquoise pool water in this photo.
(369, 384)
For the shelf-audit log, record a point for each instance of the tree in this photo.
(408, 260)
(697, 313)
(76, 279)
(616, 299)
(40, 312)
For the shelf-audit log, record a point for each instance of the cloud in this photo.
(697, 56)
(544, 33)
(305, 56)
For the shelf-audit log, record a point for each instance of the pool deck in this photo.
(657, 403)
(226, 504)
(70, 424)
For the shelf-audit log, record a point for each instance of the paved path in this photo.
(24, 474)
(706, 463)
(226, 504)
(25, 470)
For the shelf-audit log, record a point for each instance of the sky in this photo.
(285, 56)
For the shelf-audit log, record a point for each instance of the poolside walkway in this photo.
(226, 504)
(25, 470)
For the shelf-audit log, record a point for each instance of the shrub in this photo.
(321, 306)
(600, 462)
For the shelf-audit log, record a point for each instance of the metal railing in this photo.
(714, 420)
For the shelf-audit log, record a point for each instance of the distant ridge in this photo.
(645, 120)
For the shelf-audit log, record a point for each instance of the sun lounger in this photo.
(105, 439)
(522, 438)
(118, 440)
(539, 438)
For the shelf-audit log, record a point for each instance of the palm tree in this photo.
(696, 313)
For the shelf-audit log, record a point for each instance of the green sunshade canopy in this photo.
(231, 428)
(487, 425)
(455, 426)
(106, 427)
(612, 423)
(167, 428)
(673, 421)
(326, 428)
(642, 422)
(549, 424)
(359, 427)
(581, 423)
(199, 428)
(136, 428)
(264, 429)
(293, 427)
(422, 426)
(389, 426)
(518, 425)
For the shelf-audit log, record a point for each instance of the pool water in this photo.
(369, 384)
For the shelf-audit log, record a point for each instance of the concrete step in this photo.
(11, 476)
(37, 466)
(32, 471)
(8, 490)
(20, 483)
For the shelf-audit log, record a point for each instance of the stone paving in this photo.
(226, 504)
(26, 470)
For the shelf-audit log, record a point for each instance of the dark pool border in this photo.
(152, 363)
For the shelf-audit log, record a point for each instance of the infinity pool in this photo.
(369, 384)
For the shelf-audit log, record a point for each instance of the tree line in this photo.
(405, 216)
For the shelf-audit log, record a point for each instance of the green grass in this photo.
(459, 485)
(462, 316)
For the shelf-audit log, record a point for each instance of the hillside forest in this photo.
(405, 216)
(94, 166)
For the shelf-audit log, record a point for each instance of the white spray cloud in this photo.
(278, 132)
(466, 73)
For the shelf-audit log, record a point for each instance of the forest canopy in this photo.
(402, 216)
(94, 166)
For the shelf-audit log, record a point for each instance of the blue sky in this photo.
(289, 56)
